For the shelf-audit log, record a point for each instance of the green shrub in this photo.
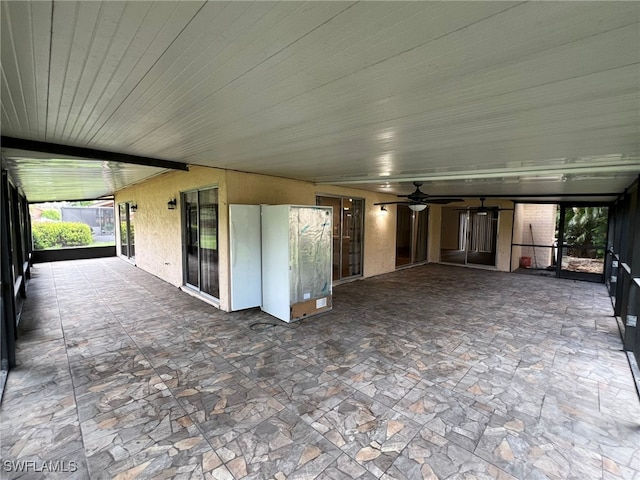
(60, 234)
(51, 214)
(123, 232)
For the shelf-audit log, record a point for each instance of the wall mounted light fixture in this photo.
(134, 207)
(383, 208)
(171, 204)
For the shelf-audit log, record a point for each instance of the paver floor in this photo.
(431, 372)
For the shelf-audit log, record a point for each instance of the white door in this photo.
(246, 257)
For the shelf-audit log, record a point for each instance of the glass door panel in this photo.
(200, 227)
(421, 231)
(411, 236)
(483, 230)
(403, 235)
(468, 237)
(336, 204)
(208, 227)
(352, 221)
(126, 214)
(348, 224)
(131, 233)
(190, 201)
(124, 240)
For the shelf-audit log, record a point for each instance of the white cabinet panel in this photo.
(245, 256)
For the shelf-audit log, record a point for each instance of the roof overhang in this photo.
(51, 172)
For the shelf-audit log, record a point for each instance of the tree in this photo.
(586, 226)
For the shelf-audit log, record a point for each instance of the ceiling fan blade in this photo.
(417, 194)
(399, 202)
(442, 201)
(419, 197)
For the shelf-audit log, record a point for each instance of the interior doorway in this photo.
(468, 236)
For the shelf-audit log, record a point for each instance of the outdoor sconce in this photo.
(171, 204)
(134, 207)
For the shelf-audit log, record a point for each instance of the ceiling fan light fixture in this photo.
(417, 207)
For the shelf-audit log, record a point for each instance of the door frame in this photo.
(341, 235)
(584, 276)
(466, 214)
(129, 206)
(185, 260)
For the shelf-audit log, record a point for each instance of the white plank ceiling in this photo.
(473, 98)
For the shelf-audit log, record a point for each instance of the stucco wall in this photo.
(159, 231)
(435, 222)
(379, 227)
(505, 226)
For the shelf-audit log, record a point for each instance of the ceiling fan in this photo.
(418, 200)
(482, 209)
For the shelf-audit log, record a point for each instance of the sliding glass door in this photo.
(348, 223)
(411, 236)
(468, 236)
(126, 213)
(200, 230)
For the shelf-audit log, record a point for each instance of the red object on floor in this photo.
(525, 262)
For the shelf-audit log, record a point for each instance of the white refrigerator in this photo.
(296, 260)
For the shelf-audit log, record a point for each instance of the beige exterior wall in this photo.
(505, 226)
(158, 233)
(158, 230)
(379, 227)
(435, 222)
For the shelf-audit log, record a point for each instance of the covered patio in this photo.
(420, 373)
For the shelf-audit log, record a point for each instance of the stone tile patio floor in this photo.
(432, 372)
